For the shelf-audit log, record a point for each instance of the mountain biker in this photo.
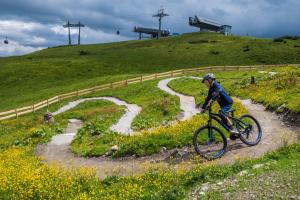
(217, 92)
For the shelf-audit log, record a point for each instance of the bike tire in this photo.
(201, 131)
(259, 131)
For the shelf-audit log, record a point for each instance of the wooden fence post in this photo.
(141, 80)
(253, 80)
(155, 75)
(47, 103)
(111, 85)
(126, 82)
(16, 111)
(33, 108)
(77, 93)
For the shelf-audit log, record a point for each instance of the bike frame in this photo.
(214, 116)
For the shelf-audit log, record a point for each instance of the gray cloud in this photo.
(36, 24)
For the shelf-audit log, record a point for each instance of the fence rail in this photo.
(46, 103)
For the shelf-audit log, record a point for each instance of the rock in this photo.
(109, 153)
(48, 117)
(293, 119)
(163, 150)
(114, 148)
(178, 154)
(174, 153)
(204, 187)
(184, 154)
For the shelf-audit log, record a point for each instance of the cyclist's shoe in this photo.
(233, 137)
(234, 134)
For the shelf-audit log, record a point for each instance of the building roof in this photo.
(205, 23)
(150, 31)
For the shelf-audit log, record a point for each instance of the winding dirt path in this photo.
(187, 103)
(123, 126)
(275, 133)
(274, 136)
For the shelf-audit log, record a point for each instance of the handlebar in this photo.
(208, 107)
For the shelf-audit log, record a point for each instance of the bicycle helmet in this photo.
(208, 76)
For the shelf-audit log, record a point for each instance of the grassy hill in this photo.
(27, 79)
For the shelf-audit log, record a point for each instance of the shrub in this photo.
(84, 53)
(95, 128)
(214, 52)
(278, 40)
(287, 37)
(38, 133)
(286, 81)
(198, 41)
(246, 48)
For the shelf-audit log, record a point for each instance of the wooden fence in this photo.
(29, 109)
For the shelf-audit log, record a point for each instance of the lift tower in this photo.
(160, 14)
(69, 26)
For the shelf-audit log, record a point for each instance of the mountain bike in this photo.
(210, 141)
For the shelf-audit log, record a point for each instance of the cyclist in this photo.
(217, 92)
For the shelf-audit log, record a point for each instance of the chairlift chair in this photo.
(5, 41)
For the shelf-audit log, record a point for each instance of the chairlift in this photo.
(5, 41)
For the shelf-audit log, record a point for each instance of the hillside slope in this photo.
(26, 79)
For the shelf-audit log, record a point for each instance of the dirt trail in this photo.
(187, 103)
(274, 136)
(123, 126)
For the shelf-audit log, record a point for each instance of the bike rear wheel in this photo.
(210, 142)
(250, 130)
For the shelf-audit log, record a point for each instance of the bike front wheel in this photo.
(250, 130)
(210, 142)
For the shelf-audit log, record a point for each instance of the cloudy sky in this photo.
(32, 25)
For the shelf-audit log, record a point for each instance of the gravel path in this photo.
(187, 103)
(68, 136)
(123, 126)
(275, 135)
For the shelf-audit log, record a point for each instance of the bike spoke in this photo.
(250, 131)
(210, 143)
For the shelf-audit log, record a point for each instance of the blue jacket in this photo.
(217, 92)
